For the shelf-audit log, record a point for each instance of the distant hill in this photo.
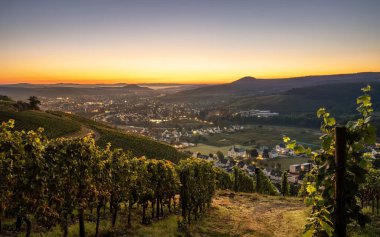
(22, 92)
(250, 86)
(339, 98)
(76, 85)
(57, 124)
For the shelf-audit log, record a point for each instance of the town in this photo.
(183, 126)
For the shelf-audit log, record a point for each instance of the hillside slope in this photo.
(31, 120)
(23, 91)
(339, 98)
(250, 86)
(136, 144)
(58, 124)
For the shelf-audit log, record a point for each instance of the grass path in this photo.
(253, 215)
(240, 214)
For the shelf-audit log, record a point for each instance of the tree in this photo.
(220, 155)
(34, 103)
(21, 106)
(285, 184)
(254, 153)
(266, 153)
(5, 98)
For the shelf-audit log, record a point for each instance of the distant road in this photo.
(84, 131)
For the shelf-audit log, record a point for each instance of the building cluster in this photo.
(126, 109)
(262, 153)
(182, 138)
(256, 113)
(238, 156)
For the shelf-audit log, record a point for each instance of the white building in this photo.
(237, 152)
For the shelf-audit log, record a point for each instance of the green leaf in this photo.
(329, 230)
(371, 135)
(286, 139)
(320, 112)
(364, 99)
(329, 121)
(308, 233)
(310, 188)
(367, 88)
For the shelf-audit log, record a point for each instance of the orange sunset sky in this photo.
(185, 41)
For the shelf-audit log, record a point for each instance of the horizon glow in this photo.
(212, 41)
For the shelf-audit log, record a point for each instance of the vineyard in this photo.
(136, 144)
(58, 124)
(49, 185)
(57, 182)
(31, 120)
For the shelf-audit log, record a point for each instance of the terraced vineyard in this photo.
(55, 126)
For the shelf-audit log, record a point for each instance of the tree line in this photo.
(33, 103)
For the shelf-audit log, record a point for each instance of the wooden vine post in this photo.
(340, 171)
(257, 172)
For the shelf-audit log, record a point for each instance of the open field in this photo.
(264, 135)
(207, 149)
(283, 161)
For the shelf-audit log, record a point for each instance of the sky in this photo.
(205, 41)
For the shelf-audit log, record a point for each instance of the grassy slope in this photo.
(253, 215)
(137, 145)
(55, 126)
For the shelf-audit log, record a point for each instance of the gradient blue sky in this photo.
(185, 41)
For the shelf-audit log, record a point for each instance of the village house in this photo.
(273, 154)
(257, 113)
(295, 169)
(299, 168)
(293, 178)
(306, 167)
(237, 152)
